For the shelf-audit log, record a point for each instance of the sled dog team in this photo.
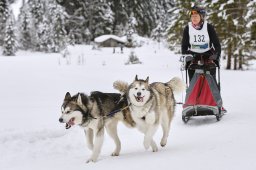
(140, 104)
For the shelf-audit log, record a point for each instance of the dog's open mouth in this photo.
(70, 123)
(139, 98)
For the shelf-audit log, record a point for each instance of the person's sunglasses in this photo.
(193, 12)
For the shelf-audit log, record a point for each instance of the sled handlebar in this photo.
(190, 57)
(199, 59)
(184, 59)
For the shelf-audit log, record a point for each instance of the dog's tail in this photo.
(177, 85)
(121, 86)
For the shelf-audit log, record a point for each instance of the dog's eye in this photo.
(136, 88)
(68, 112)
(143, 89)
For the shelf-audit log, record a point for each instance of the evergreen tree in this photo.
(130, 30)
(9, 47)
(120, 16)
(144, 13)
(163, 14)
(79, 20)
(97, 18)
(56, 18)
(102, 18)
(3, 18)
(251, 36)
(158, 32)
(179, 16)
(25, 38)
(37, 11)
(60, 35)
(87, 36)
(45, 38)
(241, 31)
(149, 14)
(37, 15)
(222, 21)
(71, 38)
(89, 14)
(232, 25)
(234, 14)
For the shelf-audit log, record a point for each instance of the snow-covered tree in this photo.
(112, 16)
(3, 18)
(24, 27)
(179, 18)
(44, 32)
(101, 21)
(78, 21)
(45, 25)
(56, 18)
(142, 11)
(60, 35)
(94, 16)
(163, 18)
(9, 46)
(71, 38)
(148, 14)
(37, 15)
(158, 32)
(251, 24)
(249, 35)
(230, 21)
(120, 16)
(37, 10)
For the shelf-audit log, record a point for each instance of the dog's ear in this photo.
(92, 99)
(79, 99)
(147, 79)
(67, 96)
(136, 78)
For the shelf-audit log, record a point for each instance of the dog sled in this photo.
(203, 96)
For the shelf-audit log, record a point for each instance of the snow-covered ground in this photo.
(33, 86)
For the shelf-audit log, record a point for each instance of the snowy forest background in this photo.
(51, 25)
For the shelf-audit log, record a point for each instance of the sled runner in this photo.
(203, 90)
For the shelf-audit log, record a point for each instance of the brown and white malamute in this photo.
(151, 105)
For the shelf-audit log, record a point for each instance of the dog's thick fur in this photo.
(93, 114)
(151, 105)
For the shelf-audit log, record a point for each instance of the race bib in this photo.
(199, 39)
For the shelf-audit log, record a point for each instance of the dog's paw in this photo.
(146, 144)
(154, 146)
(91, 160)
(163, 142)
(154, 149)
(115, 154)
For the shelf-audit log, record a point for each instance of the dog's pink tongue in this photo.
(140, 99)
(71, 122)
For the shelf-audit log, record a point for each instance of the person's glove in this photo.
(214, 57)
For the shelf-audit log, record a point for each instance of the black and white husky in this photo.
(93, 113)
(151, 105)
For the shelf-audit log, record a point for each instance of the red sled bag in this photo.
(203, 95)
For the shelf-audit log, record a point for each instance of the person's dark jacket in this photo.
(214, 41)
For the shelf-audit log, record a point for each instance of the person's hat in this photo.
(197, 10)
